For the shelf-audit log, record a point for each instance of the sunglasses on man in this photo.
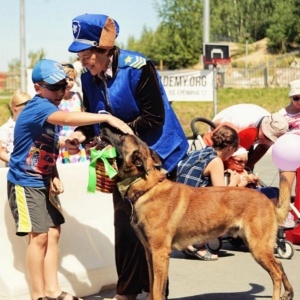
(296, 98)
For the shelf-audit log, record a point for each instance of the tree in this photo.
(178, 40)
(34, 57)
(179, 36)
(283, 26)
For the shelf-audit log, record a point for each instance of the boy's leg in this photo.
(52, 288)
(35, 255)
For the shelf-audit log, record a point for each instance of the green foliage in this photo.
(35, 57)
(14, 65)
(272, 99)
(177, 41)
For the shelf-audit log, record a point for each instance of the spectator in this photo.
(292, 113)
(127, 85)
(17, 102)
(255, 126)
(33, 181)
(72, 101)
(206, 168)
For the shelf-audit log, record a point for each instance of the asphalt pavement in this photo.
(234, 276)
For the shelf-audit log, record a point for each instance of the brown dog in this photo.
(169, 215)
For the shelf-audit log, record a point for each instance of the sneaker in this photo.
(289, 222)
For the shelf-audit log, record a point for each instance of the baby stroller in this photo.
(284, 248)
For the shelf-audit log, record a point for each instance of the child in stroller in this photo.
(284, 249)
(237, 162)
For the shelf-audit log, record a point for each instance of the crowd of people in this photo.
(122, 88)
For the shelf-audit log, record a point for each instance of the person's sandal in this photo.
(206, 257)
(62, 296)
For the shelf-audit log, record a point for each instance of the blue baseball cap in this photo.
(91, 30)
(49, 71)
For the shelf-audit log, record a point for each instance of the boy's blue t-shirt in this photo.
(35, 145)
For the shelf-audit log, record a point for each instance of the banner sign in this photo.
(188, 85)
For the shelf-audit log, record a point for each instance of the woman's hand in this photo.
(73, 142)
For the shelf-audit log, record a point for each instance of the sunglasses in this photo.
(68, 65)
(240, 162)
(296, 98)
(54, 87)
(22, 104)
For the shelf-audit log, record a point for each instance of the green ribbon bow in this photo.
(103, 154)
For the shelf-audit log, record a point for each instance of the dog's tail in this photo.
(283, 206)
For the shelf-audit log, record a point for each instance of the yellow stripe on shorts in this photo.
(24, 218)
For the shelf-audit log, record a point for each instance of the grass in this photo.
(272, 99)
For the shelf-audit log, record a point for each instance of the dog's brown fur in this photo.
(169, 215)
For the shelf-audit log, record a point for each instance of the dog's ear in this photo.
(156, 158)
(138, 161)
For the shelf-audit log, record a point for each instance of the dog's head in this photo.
(134, 157)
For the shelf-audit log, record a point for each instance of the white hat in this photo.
(294, 88)
(240, 151)
(274, 126)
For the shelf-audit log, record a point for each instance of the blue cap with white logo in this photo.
(91, 30)
(49, 71)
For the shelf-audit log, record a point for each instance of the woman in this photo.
(292, 114)
(206, 168)
(126, 85)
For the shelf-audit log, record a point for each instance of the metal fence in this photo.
(228, 77)
(257, 77)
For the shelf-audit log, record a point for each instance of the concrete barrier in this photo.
(86, 262)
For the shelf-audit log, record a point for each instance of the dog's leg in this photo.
(264, 255)
(160, 258)
(158, 265)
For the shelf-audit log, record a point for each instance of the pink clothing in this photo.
(293, 120)
(73, 104)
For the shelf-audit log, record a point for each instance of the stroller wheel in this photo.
(215, 245)
(286, 253)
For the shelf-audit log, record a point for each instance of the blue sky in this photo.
(48, 24)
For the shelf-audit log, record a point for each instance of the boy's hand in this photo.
(56, 186)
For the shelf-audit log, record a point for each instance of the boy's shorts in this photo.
(32, 209)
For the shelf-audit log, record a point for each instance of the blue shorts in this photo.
(270, 191)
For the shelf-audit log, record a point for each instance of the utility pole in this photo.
(22, 47)
(206, 21)
(206, 39)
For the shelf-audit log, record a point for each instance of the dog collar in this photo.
(125, 184)
(137, 195)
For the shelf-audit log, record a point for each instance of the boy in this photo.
(33, 177)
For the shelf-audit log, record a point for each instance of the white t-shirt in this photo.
(241, 115)
(7, 135)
